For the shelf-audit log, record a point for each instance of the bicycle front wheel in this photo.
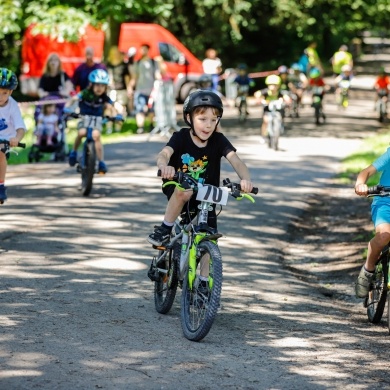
(378, 293)
(88, 168)
(200, 303)
(166, 285)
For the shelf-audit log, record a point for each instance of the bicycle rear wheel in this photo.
(88, 168)
(165, 287)
(199, 305)
(243, 110)
(377, 294)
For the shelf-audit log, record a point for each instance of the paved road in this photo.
(77, 308)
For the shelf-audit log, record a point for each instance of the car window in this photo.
(169, 52)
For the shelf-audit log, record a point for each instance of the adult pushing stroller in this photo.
(50, 132)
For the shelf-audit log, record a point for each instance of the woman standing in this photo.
(54, 80)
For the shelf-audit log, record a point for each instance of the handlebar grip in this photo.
(21, 145)
(254, 191)
(374, 190)
(159, 173)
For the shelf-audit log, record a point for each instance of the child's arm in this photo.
(19, 136)
(167, 171)
(361, 186)
(241, 170)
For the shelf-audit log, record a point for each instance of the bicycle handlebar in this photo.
(378, 190)
(5, 142)
(181, 177)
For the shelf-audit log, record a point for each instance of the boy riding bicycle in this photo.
(197, 151)
(93, 102)
(12, 127)
(380, 212)
(244, 82)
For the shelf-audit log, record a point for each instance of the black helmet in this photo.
(201, 98)
(8, 79)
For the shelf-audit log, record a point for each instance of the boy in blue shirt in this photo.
(380, 212)
(93, 102)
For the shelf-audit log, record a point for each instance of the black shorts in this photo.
(192, 206)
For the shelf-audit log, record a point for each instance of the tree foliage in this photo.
(254, 31)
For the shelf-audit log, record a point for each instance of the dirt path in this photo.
(77, 309)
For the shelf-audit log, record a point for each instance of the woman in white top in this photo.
(212, 65)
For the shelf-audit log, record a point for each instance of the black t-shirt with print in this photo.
(199, 162)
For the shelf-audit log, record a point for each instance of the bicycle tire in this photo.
(274, 139)
(388, 312)
(165, 288)
(243, 110)
(377, 294)
(197, 312)
(317, 113)
(88, 168)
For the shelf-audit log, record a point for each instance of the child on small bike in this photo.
(12, 126)
(382, 86)
(265, 96)
(244, 82)
(380, 213)
(94, 102)
(197, 151)
(343, 80)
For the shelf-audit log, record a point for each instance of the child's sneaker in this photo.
(102, 168)
(3, 194)
(363, 282)
(160, 236)
(72, 158)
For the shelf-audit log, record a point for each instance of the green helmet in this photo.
(8, 79)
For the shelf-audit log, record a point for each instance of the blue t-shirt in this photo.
(382, 164)
(93, 105)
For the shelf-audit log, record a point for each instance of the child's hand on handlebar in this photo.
(167, 172)
(361, 189)
(246, 186)
(13, 141)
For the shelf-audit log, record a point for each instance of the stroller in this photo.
(58, 146)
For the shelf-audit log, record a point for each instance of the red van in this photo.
(37, 47)
(184, 67)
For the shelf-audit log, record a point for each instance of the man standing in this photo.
(81, 73)
(144, 73)
(341, 58)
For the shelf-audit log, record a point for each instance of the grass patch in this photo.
(372, 148)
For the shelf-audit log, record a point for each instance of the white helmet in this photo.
(346, 68)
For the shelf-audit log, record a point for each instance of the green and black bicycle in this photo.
(192, 259)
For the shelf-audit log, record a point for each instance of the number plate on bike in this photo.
(211, 194)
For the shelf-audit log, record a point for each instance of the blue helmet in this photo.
(296, 66)
(99, 76)
(8, 79)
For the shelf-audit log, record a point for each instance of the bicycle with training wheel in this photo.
(87, 164)
(192, 259)
(6, 148)
(380, 285)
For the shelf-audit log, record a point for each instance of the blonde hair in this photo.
(114, 55)
(46, 69)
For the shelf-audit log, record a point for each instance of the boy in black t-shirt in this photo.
(197, 151)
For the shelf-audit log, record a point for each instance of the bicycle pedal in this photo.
(153, 273)
(160, 248)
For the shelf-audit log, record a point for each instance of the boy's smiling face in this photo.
(4, 95)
